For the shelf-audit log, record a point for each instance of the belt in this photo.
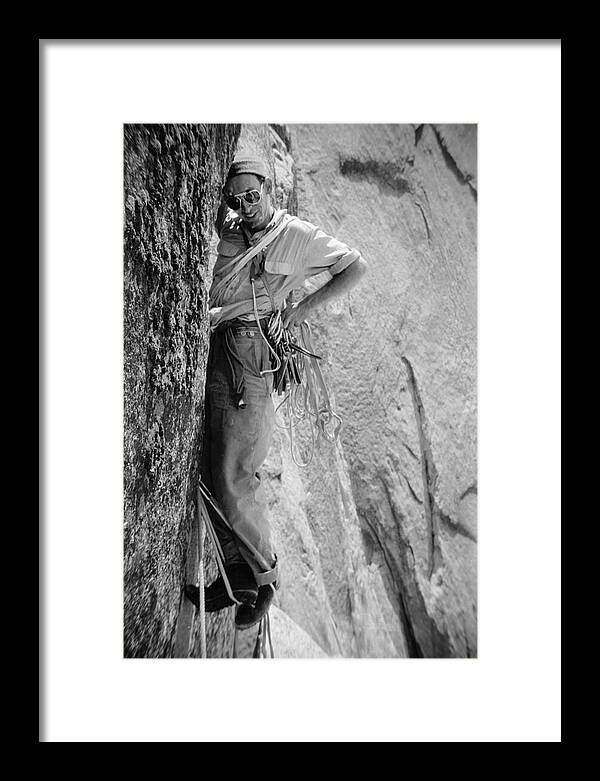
(244, 328)
(240, 331)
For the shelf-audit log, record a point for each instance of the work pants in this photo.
(237, 437)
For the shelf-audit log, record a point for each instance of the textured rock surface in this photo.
(289, 641)
(172, 176)
(402, 357)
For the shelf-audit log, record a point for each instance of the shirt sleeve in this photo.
(325, 253)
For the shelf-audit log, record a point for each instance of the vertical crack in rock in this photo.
(414, 650)
(429, 472)
(421, 633)
(418, 133)
(452, 164)
(420, 208)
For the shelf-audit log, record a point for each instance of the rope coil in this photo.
(307, 399)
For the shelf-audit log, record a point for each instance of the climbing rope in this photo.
(263, 635)
(260, 330)
(307, 399)
(201, 578)
(297, 368)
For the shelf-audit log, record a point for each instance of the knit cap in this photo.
(248, 165)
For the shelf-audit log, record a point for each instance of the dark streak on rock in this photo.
(412, 491)
(398, 518)
(429, 641)
(375, 536)
(472, 489)
(414, 650)
(455, 527)
(418, 205)
(416, 457)
(389, 176)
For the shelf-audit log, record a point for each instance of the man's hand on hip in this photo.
(294, 314)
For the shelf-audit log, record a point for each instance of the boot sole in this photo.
(258, 615)
(245, 597)
(250, 624)
(243, 627)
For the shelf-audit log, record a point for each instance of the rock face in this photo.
(288, 640)
(172, 177)
(376, 537)
(402, 357)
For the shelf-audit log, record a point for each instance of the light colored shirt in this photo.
(300, 251)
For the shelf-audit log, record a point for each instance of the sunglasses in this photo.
(250, 196)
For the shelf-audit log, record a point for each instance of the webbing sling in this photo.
(262, 579)
(219, 556)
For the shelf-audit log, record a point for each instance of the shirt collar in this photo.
(254, 237)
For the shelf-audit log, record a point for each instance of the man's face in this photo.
(253, 214)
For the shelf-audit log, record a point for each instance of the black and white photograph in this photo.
(300, 367)
(300, 423)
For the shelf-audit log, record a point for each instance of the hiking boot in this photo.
(250, 615)
(243, 585)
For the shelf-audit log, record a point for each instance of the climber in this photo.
(239, 412)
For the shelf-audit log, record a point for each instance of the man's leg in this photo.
(236, 443)
(242, 582)
(226, 539)
(240, 438)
